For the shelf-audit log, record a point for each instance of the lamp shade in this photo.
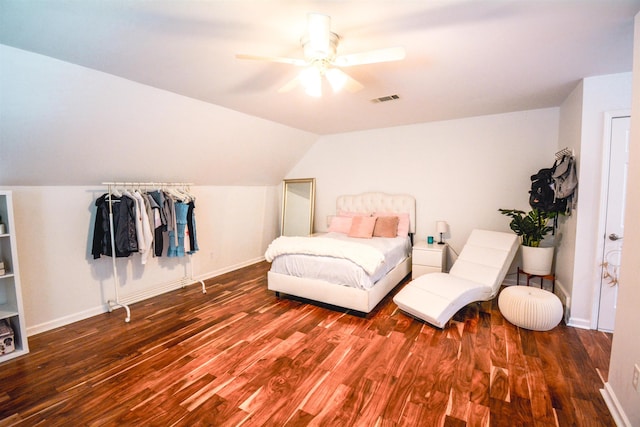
(442, 227)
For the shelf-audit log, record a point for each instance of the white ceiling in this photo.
(464, 58)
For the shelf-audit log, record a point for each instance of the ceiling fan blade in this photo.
(338, 80)
(282, 60)
(352, 85)
(371, 57)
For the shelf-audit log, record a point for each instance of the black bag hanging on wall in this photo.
(542, 195)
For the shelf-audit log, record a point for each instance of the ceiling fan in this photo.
(321, 59)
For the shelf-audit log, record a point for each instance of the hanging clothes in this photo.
(191, 227)
(143, 218)
(163, 211)
(176, 237)
(157, 224)
(137, 220)
(140, 220)
(124, 226)
(170, 214)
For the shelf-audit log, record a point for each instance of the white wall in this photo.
(461, 171)
(581, 240)
(570, 136)
(62, 283)
(66, 128)
(625, 351)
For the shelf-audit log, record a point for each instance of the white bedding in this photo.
(341, 270)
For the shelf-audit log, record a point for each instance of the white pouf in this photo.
(530, 308)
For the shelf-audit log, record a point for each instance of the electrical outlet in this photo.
(636, 377)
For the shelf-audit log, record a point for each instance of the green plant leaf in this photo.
(531, 226)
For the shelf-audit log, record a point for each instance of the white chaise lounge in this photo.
(475, 276)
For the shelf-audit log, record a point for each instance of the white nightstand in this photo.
(428, 258)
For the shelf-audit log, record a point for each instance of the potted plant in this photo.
(532, 227)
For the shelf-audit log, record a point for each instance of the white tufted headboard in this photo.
(379, 202)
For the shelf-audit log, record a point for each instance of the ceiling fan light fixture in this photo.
(336, 78)
(320, 51)
(318, 37)
(321, 59)
(311, 80)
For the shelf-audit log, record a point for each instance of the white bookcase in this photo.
(11, 307)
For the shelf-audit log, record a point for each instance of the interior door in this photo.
(614, 223)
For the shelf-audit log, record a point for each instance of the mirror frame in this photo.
(312, 198)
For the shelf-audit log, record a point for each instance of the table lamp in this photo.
(441, 227)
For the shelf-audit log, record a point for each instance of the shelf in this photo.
(15, 353)
(11, 307)
(7, 311)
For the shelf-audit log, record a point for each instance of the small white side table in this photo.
(428, 258)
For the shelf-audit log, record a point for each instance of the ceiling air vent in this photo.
(385, 98)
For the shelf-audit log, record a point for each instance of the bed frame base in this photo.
(362, 300)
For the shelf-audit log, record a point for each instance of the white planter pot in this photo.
(538, 261)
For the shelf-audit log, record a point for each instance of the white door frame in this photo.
(602, 215)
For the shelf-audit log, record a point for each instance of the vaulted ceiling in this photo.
(463, 58)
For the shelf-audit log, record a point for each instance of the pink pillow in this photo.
(340, 224)
(362, 227)
(403, 221)
(386, 226)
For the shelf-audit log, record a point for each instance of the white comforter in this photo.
(367, 257)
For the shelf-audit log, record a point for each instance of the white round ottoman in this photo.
(530, 308)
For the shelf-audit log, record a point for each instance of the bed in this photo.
(337, 280)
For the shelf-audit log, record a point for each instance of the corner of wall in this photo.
(565, 299)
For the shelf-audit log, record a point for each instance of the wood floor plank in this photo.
(479, 415)
(435, 410)
(463, 377)
(541, 405)
(480, 386)
(482, 346)
(238, 355)
(499, 384)
(598, 347)
(400, 395)
(498, 346)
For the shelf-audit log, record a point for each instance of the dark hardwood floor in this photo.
(240, 356)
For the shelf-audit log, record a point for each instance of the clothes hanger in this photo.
(187, 191)
(185, 194)
(126, 192)
(172, 192)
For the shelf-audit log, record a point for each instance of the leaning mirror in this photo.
(298, 201)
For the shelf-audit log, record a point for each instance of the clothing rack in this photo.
(124, 302)
(564, 152)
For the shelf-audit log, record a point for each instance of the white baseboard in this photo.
(104, 308)
(65, 320)
(579, 323)
(228, 269)
(562, 293)
(614, 406)
(509, 281)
